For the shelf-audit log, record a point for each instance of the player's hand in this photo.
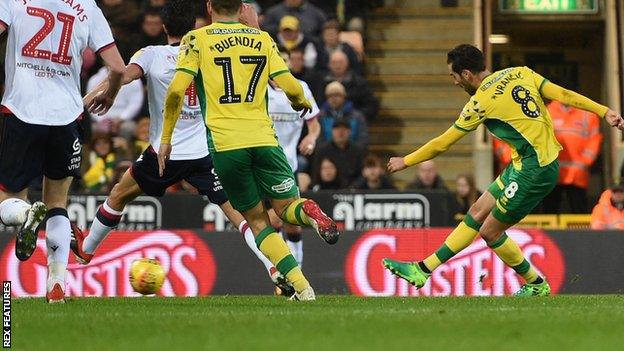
(249, 16)
(396, 164)
(614, 119)
(303, 107)
(100, 104)
(307, 145)
(163, 156)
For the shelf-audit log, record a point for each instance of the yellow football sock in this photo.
(509, 252)
(294, 214)
(459, 239)
(275, 249)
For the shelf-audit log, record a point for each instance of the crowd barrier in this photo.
(214, 263)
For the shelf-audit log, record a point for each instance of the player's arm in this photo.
(291, 86)
(101, 103)
(131, 73)
(3, 28)
(308, 143)
(552, 91)
(428, 151)
(173, 107)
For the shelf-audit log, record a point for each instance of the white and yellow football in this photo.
(146, 276)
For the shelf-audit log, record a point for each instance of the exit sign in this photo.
(547, 7)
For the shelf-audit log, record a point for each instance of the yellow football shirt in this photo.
(509, 104)
(232, 64)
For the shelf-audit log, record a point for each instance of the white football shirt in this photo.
(128, 102)
(286, 121)
(189, 136)
(43, 56)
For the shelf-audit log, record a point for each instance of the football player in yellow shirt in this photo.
(510, 105)
(231, 64)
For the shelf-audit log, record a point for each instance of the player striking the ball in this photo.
(39, 131)
(510, 105)
(189, 160)
(231, 65)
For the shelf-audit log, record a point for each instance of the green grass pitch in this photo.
(330, 323)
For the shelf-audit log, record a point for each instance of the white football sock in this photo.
(296, 247)
(99, 231)
(251, 242)
(56, 274)
(13, 211)
(58, 237)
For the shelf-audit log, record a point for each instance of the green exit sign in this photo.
(549, 6)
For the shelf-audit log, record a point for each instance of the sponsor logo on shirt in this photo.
(284, 186)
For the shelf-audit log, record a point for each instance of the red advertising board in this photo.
(188, 261)
(476, 271)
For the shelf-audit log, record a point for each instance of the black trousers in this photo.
(576, 198)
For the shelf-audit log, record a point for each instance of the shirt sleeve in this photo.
(308, 94)
(100, 35)
(188, 58)
(276, 63)
(538, 79)
(143, 58)
(5, 13)
(471, 116)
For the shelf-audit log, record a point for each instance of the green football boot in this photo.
(409, 271)
(528, 290)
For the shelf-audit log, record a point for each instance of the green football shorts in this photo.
(518, 192)
(251, 174)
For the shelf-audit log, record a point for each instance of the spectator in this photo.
(336, 107)
(120, 118)
(428, 178)
(609, 212)
(311, 18)
(154, 4)
(328, 177)
(121, 14)
(467, 193)
(358, 89)
(141, 136)
(578, 132)
(299, 70)
(348, 12)
(123, 18)
(373, 175)
(103, 162)
(331, 42)
(502, 152)
(152, 32)
(346, 156)
(290, 38)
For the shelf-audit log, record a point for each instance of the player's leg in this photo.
(237, 177)
(205, 179)
(461, 237)
(493, 232)
(58, 235)
(106, 218)
(20, 141)
(524, 191)
(277, 182)
(292, 235)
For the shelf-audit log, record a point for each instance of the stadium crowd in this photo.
(323, 42)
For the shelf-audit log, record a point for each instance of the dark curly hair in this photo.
(466, 56)
(179, 17)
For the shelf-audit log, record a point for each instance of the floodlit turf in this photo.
(331, 323)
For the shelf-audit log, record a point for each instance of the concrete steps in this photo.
(407, 42)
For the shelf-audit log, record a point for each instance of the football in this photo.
(146, 276)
